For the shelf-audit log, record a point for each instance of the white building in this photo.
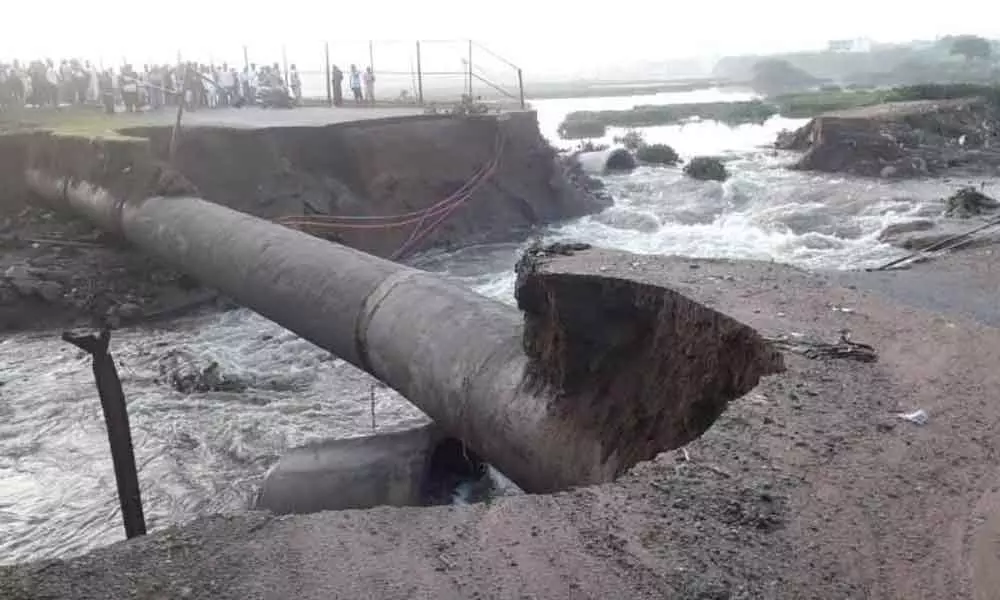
(854, 45)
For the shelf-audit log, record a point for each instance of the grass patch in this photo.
(811, 104)
(70, 121)
(754, 111)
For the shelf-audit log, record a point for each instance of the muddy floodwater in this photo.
(203, 452)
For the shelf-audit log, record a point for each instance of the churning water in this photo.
(205, 452)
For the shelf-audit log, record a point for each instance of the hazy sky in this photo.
(541, 35)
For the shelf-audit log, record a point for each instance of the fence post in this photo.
(520, 86)
(420, 78)
(470, 70)
(329, 78)
(284, 64)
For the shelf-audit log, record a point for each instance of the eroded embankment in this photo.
(810, 487)
(901, 139)
(58, 270)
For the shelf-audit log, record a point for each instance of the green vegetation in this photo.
(590, 146)
(71, 121)
(632, 140)
(581, 128)
(971, 47)
(706, 168)
(810, 104)
(608, 89)
(657, 154)
(951, 59)
(595, 122)
(776, 76)
(802, 105)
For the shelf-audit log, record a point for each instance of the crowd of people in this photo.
(45, 83)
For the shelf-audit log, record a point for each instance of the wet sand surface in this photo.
(811, 486)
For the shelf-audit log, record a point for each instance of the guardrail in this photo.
(418, 71)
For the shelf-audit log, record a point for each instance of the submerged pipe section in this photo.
(457, 355)
(600, 162)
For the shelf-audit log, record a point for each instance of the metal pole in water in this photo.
(109, 387)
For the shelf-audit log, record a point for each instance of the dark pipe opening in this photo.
(455, 473)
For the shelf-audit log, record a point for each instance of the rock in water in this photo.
(657, 154)
(899, 139)
(893, 233)
(969, 202)
(706, 168)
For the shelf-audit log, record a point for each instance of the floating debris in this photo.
(817, 350)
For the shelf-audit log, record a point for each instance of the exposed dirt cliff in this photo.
(901, 139)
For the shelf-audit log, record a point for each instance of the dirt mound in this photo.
(903, 139)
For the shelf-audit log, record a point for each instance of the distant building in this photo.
(855, 45)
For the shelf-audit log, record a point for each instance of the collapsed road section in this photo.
(811, 486)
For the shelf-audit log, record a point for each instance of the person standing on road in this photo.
(356, 84)
(338, 86)
(128, 82)
(370, 86)
(106, 87)
(296, 84)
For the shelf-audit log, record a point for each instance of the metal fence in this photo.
(418, 71)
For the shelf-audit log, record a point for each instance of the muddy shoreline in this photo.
(810, 486)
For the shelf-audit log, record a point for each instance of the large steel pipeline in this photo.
(608, 373)
(455, 354)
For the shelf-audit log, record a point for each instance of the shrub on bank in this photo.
(706, 168)
(632, 140)
(590, 146)
(579, 129)
(657, 154)
(944, 91)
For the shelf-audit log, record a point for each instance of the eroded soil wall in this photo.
(370, 168)
(385, 167)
